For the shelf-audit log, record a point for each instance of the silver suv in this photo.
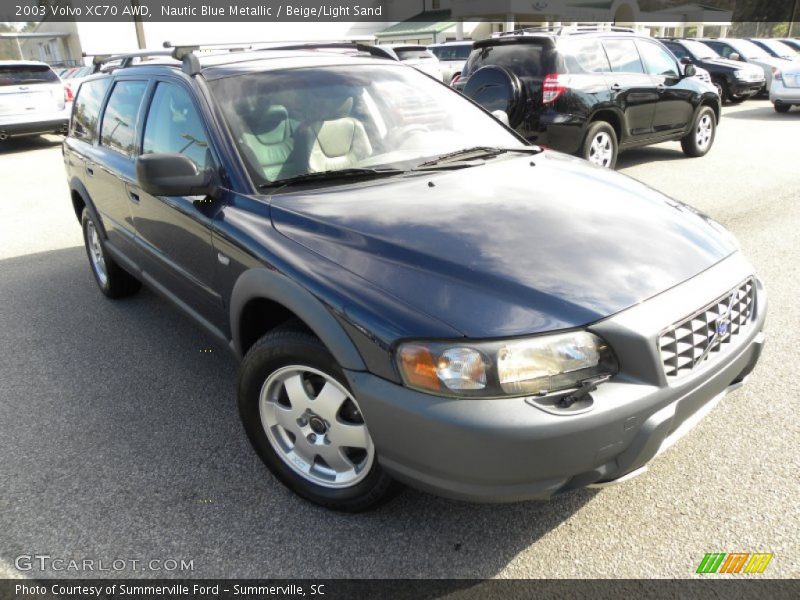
(33, 100)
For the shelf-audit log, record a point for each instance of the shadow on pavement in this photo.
(763, 113)
(15, 145)
(120, 439)
(648, 154)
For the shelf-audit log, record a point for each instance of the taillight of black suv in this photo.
(592, 92)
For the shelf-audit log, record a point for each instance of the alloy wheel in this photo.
(601, 150)
(315, 426)
(96, 253)
(704, 131)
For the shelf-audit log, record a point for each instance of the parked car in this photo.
(785, 90)
(747, 52)
(592, 92)
(418, 57)
(735, 82)
(32, 99)
(452, 57)
(776, 48)
(416, 296)
(792, 43)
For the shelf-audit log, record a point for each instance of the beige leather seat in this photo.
(338, 142)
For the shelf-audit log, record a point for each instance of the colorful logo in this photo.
(736, 562)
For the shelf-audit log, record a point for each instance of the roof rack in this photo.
(187, 54)
(565, 30)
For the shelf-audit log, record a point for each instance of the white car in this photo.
(418, 57)
(452, 56)
(785, 90)
(33, 100)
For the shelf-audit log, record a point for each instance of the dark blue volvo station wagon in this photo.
(416, 294)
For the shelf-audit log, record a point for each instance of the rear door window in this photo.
(119, 120)
(26, 75)
(86, 113)
(584, 56)
(524, 60)
(623, 56)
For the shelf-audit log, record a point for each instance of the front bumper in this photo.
(747, 88)
(511, 449)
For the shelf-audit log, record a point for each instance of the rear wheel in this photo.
(781, 107)
(600, 147)
(701, 137)
(113, 280)
(306, 425)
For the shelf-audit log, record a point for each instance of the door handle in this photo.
(134, 196)
(616, 87)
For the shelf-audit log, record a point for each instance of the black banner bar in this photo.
(732, 587)
(627, 11)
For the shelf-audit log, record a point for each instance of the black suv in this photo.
(592, 92)
(735, 81)
(416, 294)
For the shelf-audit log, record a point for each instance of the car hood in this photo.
(769, 61)
(514, 246)
(725, 62)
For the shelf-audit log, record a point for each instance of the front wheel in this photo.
(600, 146)
(701, 137)
(780, 107)
(306, 425)
(722, 90)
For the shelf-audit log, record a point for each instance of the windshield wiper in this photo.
(351, 173)
(478, 152)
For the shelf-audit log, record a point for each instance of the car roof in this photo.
(23, 63)
(452, 43)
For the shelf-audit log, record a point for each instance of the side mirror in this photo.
(501, 116)
(172, 175)
(735, 56)
(690, 70)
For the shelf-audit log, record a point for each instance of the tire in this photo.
(780, 107)
(600, 146)
(114, 281)
(722, 90)
(737, 99)
(701, 136)
(287, 358)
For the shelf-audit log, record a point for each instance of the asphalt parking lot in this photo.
(119, 437)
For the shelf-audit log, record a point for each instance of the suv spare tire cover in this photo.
(497, 88)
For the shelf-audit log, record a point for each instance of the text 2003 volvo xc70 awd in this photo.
(417, 295)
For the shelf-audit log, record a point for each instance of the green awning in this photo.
(424, 23)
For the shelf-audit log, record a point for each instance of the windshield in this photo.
(26, 75)
(292, 122)
(452, 52)
(748, 49)
(779, 48)
(699, 50)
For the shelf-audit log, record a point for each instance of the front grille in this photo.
(704, 334)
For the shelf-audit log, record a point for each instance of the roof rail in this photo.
(186, 54)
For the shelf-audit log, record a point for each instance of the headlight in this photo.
(741, 74)
(521, 367)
